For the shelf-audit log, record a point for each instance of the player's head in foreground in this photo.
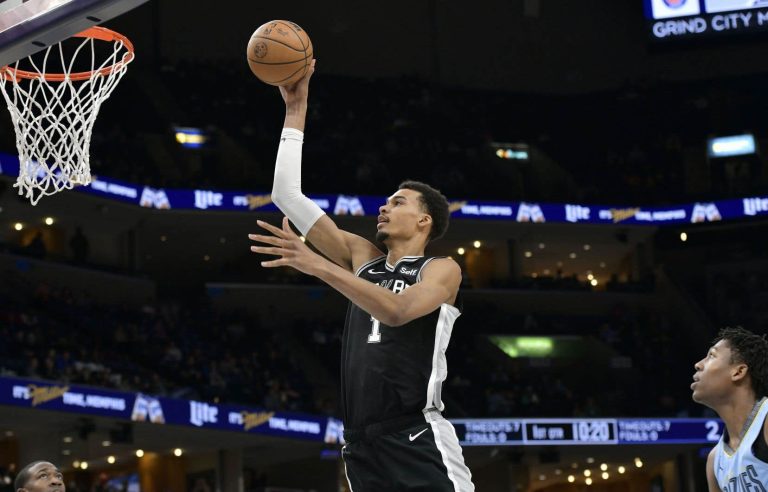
(416, 212)
(736, 366)
(39, 476)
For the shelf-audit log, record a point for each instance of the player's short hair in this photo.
(434, 203)
(23, 477)
(752, 350)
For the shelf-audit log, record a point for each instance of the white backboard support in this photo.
(27, 26)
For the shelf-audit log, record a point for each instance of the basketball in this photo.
(279, 52)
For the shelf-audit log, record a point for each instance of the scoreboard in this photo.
(513, 432)
(689, 19)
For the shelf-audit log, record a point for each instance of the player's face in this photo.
(44, 477)
(401, 216)
(713, 381)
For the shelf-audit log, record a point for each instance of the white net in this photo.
(53, 114)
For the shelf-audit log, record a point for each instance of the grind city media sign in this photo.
(690, 19)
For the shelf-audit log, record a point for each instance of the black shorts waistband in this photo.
(385, 427)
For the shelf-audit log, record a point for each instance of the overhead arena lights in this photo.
(190, 138)
(730, 146)
(524, 346)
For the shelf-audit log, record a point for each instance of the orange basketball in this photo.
(279, 52)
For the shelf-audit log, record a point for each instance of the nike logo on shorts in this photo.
(412, 438)
(373, 272)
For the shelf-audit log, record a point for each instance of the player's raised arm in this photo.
(343, 248)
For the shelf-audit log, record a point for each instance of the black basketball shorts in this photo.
(425, 457)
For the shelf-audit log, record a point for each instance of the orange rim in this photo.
(100, 33)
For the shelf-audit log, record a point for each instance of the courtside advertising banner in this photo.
(139, 407)
(362, 205)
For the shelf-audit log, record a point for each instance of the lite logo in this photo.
(754, 206)
(575, 213)
(703, 212)
(202, 413)
(205, 199)
(530, 212)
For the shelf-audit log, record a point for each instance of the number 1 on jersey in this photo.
(375, 335)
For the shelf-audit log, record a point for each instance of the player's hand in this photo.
(298, 93)
(288, 246)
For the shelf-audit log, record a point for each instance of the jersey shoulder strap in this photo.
(760, 444)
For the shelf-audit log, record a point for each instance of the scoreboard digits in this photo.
(571, 431)
(587, 431)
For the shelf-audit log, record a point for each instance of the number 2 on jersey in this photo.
(375, 335)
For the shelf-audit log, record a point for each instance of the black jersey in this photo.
(388, 372)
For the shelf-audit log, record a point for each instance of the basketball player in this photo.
(733, 381)
(399, 321)
(39, 476)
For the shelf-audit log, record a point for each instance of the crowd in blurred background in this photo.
(161, 349)
(367, 135)
(190, 350)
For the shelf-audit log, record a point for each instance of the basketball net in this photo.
(53, 113)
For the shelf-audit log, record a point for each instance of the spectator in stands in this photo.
(79, 246)
(36, 248)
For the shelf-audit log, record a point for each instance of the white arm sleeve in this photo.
(286, 189)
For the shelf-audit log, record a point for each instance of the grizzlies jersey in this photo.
(390, 372)
(740, 470)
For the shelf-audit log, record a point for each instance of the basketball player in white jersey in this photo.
(399, 321)
(733, 381)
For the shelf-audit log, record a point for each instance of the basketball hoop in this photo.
(54, 109)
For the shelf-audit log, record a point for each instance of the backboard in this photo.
(27, 26)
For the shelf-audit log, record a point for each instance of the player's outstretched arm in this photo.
(439, 284)
(343, 248)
